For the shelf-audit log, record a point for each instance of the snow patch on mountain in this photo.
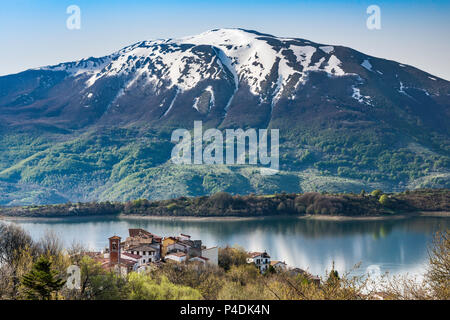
(327, 49)
(303, 54)
(402, 88)
(359, 97)
(333, 66)
(172, 103)
(366, 64)
(195, 105)
(212, 99)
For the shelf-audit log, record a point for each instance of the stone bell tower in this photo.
(114, 250)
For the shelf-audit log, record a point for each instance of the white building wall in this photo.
(261, 263)
(212, 254)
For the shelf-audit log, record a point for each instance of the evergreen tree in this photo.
(41, 281)
(333, 279)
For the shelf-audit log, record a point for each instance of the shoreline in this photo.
(435, 214)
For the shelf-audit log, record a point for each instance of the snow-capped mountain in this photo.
(248, 57)
(324, 98)
(207, 75)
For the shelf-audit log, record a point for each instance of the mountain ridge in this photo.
(99, 128)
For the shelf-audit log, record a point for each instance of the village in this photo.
(143, 251)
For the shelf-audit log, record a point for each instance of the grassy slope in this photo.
(122, 164)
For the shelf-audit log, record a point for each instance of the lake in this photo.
(395, 245)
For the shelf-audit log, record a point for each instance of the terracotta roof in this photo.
(185, 243)
(93, 254)
(141, 248)
(127, 262)
(101, 260)
(115, 237)
(131, 255)
(141, 232)
(137, 232)
(105, 263)
(179, 243)
(298, 271)
(256, 254)
(177, 254)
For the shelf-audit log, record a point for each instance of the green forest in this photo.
(375, 203)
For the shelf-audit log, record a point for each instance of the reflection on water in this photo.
(397, 246)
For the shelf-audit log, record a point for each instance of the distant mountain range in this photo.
(99, 128)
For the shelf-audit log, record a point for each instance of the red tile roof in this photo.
(131, 255)
(141, 248)
(137, 232)
(141, 232)
(177, 254)
(127, 262)
(257, 254)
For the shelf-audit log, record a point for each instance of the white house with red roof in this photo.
(260, 259)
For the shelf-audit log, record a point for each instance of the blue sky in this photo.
(33, 32)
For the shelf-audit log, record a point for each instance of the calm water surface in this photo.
(397, 246)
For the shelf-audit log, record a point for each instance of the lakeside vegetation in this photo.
(37, 270)
(223, 204)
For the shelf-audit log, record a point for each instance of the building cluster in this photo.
(262, 261)
(143, 250)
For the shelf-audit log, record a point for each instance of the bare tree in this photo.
(16, 250)
(13, 239)
(50, 244)
(438, 275)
